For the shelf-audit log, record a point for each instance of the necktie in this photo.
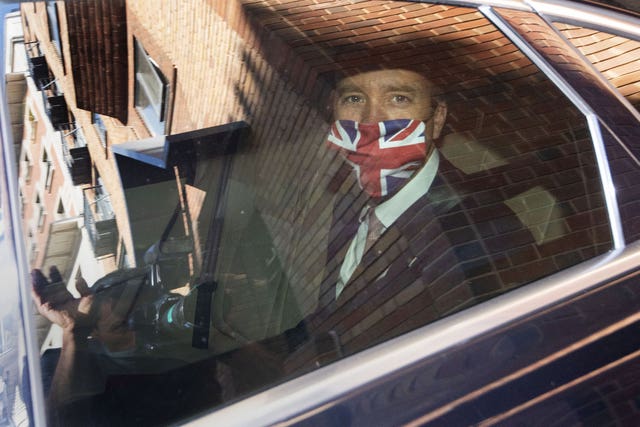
(375, 230)
(368, 233)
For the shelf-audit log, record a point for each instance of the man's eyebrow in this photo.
(408, 87)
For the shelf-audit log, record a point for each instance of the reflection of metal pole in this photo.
(186, 220)
(207, 286)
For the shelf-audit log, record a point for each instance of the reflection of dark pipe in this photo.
(207, 286)
(156, 250)
(202, 314)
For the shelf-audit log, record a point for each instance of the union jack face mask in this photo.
(384, 155)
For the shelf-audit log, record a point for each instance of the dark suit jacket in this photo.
(431, 262)
(450, 250)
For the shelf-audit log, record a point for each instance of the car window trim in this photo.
(13, 230)
(584, 14)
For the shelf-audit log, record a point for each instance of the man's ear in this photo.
(439, 118)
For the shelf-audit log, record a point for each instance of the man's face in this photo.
(376, 96)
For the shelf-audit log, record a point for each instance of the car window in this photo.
(616, 56)
(217, 211)
(614, 124)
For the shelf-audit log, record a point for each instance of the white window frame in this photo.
(151, 90)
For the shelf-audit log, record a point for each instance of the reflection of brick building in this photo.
(139, 83)
(126, 72)
(51, 205)
(15, 67)
(72, 134)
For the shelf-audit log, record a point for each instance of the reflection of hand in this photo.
(56, 303)
(102, 311)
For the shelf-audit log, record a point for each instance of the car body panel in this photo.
(459, 343)
(509, 375)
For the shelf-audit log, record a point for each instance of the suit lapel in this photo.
(399, 245)
(395, 260)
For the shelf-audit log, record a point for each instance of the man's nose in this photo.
(374, 112)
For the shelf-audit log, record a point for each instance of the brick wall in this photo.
(614, 56)
(620, 133)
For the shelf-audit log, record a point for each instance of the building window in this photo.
(30, 124)
(151, 91)
(60, 211)
(47, 168)
(26, 168)
(17, 54)
(103, 200)
(123, 261)
(33, 252)
(41, 213)
(22, 203)
(78, 138)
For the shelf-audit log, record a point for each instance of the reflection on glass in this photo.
(316, 193)
(614, 56)
(619, 123)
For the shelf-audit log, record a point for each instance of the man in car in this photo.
(403, 248)
(387, 122)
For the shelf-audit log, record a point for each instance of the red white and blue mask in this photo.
(384, 155)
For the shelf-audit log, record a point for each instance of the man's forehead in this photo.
(391, 79)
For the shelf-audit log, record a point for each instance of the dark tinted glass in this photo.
(234, 252)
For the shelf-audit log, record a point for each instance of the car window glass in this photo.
(615, 56)
(329, 179)
(617, 122)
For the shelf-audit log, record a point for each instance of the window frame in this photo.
(154, 113)
(47, 170)
(53, 23)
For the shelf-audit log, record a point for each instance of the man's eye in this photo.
(400, 99)
(352, 99)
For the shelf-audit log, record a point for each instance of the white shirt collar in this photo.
(389, 211)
